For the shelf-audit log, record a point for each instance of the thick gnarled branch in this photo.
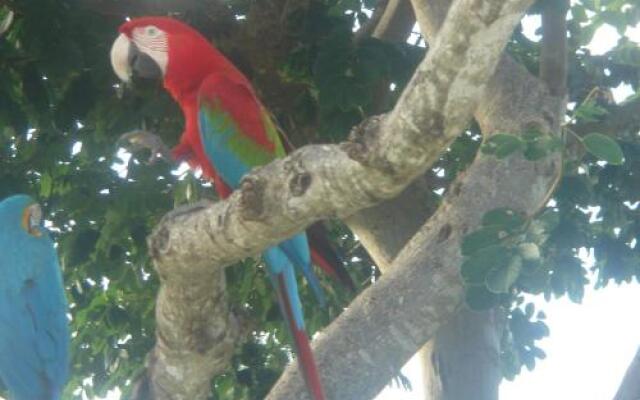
(191, 246)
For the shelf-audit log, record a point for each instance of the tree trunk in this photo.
(630, 386)
(464, 360)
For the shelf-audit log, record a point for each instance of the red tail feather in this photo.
(306, 361)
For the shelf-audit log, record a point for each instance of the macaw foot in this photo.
(139, 140)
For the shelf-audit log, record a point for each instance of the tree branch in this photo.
(396, 22)
(190, 246)
(392, 21)
(630, 387)
(367, 29)
(553, 52)
(430, 15)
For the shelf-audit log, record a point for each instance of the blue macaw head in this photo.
(21, 214)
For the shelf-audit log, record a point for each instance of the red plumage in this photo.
(192, 61)
(183, 80)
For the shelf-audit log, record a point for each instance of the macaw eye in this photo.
(152, 31)
(31, 219)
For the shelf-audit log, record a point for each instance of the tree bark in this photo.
(510, 86)
(465, 359)
(630, 387)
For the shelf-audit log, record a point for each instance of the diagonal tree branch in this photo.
(630, 387)
(396, 23)
(190, 246)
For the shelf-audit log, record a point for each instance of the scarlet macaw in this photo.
(34, 336)
(227, 132)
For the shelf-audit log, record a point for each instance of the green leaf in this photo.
(482, 238)
(532, 135)
(549, 219)
(504, 218)
(475, 269)
(541, 147)
(46, 184)
(604, 148)
(502, 145)
(479, 298)
(500, 279)
(589, 112)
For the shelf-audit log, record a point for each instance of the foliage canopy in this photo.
(62, 111)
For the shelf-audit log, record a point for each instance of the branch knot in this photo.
(252, 190)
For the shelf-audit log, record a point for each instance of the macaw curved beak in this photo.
(129, 62)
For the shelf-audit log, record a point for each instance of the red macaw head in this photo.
(163, 48)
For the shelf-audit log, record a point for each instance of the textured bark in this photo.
(466, 357)
(515, 100)
(384, 229)
(630, 387)
(191, 246)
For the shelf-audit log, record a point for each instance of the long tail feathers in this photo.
(306, 362)
(324, 255)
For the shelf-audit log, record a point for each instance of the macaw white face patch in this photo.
(154, 42)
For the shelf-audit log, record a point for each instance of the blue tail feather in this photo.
(297, 250)
(278, 264)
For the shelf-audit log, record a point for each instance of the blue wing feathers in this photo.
(228, 165)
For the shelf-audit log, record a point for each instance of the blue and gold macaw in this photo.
(34, 334)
